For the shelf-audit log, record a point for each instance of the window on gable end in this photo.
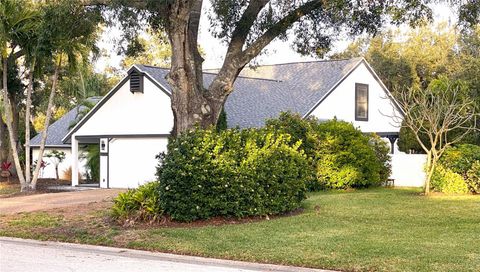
(361, 102)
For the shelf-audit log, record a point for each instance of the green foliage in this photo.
(299, 128)
(460, 158)
(382, 151)
(446, 181)
(473, 178)
(59, 156)
(342, 155)
(92, 156)
(235, 173)
(138, 204)
(222, 121)
(408, 143)
(458, 170)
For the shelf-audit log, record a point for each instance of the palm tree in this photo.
(18, 23)
(52, 36)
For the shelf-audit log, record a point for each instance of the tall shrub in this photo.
(342, 155)
(236, 173)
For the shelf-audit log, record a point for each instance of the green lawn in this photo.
(369, 230)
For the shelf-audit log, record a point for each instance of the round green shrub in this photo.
(342, 155)
(460, 158)
(235, 173)
(458, 170)
(382, 152)
(446, 181)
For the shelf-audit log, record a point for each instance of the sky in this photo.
(277, 51)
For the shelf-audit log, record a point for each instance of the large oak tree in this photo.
(247, 27)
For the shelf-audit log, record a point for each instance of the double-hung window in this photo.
(361, 102)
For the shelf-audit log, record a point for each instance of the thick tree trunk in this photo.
(191, 104)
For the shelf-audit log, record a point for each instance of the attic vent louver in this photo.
(136, 82)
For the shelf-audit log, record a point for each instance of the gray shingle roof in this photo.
(58, 129)
(266, 91)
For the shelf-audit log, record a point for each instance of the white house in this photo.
(133, 121)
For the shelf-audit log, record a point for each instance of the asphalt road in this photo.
(36, 256)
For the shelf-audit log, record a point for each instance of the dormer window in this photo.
(361, 102)
(136, 82)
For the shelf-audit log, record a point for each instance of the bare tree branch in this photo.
(443, 116)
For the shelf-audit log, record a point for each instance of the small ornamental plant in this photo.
(5, 166)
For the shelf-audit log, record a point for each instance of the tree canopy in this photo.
(47, 40)
(246, 28)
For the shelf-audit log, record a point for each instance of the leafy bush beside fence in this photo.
(343, 157)
(458, 170)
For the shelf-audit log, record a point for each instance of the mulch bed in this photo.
(215, 221)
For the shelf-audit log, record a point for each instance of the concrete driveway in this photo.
(40, 202)
(35, 256)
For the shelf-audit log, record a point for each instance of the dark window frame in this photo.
(361, 118)
(140, 87)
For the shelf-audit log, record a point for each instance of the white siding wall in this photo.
(49, 171)
(132, 160)
(407, 169)
(341, 103)
(149, 112)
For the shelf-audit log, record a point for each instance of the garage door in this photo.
(131, 161)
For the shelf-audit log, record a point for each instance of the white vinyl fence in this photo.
(408, 169)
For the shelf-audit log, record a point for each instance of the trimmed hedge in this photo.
(343, 157)
(235, 173)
